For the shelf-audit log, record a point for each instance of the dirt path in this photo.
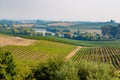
(72, 53)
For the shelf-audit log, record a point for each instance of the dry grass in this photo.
(10, 40)
(23, 25)
(61, 24)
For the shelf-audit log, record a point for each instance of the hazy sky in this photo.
(82, 10)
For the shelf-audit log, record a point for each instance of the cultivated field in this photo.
(39, 51)
(61, 24)
(10, 40)
(29, 53)
(99, 54)
(23, 25)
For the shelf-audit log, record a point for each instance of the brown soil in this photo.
(23, 25)
(9, 40)
(61, 24)
(72, 53)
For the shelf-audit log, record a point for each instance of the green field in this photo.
(76, 42)
(39, 51)
(27, 57)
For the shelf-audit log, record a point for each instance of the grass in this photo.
(76, 42)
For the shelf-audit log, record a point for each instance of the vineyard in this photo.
(38, 52)
(99, 54)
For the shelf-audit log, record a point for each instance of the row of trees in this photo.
(60, 70)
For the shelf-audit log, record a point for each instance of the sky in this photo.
(66, 10)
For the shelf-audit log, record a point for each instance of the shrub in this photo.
(7, 66)
(96, 71)
(60, 70)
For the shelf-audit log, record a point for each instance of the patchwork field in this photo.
(37, 51)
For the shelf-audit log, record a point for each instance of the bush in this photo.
(46, 71)
(7, 66)
(68, 71)
(96, 71)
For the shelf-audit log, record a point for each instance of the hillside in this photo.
(39, 51)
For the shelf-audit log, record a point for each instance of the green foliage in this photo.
(113, 32)
(7, 66)
(68, 71)
(46, 71)
(96, 71)
(60, 70)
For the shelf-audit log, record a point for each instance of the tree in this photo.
(7, 66)
(46, 71)
(78, 32)
(113, 32)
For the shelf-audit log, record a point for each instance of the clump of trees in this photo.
(87, 36)
(111, 32)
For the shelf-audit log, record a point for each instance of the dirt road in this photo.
(72, 53)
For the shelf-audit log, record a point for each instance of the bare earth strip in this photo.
(72, 53)
(10, 40)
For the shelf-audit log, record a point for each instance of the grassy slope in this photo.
(39, 51)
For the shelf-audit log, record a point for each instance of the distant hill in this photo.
(80, 25)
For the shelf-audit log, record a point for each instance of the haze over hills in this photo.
(64, 10)
(59, 40)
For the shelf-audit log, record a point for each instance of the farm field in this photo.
(99, 54)
(23, 25)
(27, 57)
(42, 50)
(39, 51)
(61, 24)
(10, 40)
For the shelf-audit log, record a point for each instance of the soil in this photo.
(72, 53)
